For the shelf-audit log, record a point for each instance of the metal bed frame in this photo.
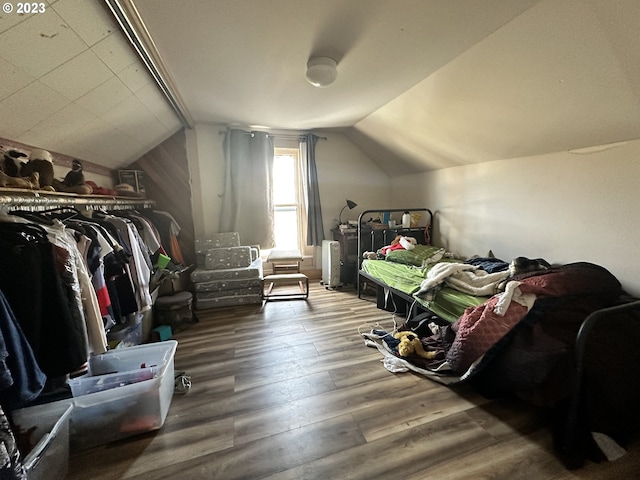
(386, 234)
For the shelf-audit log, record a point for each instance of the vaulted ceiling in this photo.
(422, 84)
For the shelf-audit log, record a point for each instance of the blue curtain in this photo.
(315, 229)
(247, 203)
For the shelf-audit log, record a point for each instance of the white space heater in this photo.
(330, 263)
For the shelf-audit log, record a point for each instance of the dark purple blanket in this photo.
(536, 359)
(480, 328)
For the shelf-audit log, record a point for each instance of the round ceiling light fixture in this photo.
(321, 71)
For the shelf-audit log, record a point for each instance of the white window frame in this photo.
(300, 205)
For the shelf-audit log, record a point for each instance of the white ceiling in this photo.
(422, 84)
(244, 61)
(71, 83)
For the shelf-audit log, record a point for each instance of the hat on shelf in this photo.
(39, 154)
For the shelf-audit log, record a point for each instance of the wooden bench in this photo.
(285, 261)
(280, 279)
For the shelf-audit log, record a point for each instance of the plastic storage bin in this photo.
(157, 355)
(123, 411)
(126, 335)
(49, 458)
(92, 384)
(121, 367)
(127, 410)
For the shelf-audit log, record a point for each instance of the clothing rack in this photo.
(22, 199)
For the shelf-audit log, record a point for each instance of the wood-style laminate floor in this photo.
(288, 390)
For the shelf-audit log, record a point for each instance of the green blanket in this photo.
(448, 303)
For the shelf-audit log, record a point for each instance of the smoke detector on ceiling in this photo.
(321, 71)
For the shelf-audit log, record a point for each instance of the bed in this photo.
(397, 276)
(558, 336)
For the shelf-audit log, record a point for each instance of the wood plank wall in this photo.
(167, 183)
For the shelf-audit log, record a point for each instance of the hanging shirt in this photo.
(138, 262)
(21, 379)
(37, 283)
(149, 234)
(84, 291)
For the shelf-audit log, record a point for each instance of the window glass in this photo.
(284, 180)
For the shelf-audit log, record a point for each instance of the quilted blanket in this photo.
(479, 328)
(463, 277)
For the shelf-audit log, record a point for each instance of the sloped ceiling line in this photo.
(133, 27)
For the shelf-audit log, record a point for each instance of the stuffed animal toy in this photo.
(31, 182)
(400, 243)
(74, 181)
(408, 243)
(410, 344)
(525, 265)
(10, 163)
(41, 162)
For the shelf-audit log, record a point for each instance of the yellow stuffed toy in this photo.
(411, 344)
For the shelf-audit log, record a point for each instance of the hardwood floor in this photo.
(288, 390)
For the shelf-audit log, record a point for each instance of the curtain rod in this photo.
(283, 136)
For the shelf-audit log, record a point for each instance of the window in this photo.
(290, 214)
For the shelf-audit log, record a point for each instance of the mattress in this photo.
(223, 285)
(219, 240)
(207, 295)
(224, 258)
(227, 301)
(253, 271)
(450, 304)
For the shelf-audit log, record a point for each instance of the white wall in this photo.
(346, 172)
(343, 172)
(564, 207)
(206, 171)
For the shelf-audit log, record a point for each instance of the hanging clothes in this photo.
(96, 250)
(67, 279)
(168, 229)
(139, 262)
(21, 379)
(146, 229)
(81, 286)
(117, 273)
(32, 279)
